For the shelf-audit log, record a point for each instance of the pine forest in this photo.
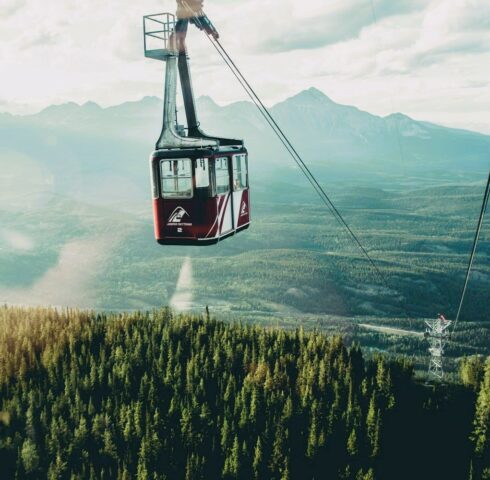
(156, 395)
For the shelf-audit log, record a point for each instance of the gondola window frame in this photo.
(169, 169)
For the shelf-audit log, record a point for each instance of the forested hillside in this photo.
(160, 396)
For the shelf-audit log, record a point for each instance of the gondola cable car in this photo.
(200, 183)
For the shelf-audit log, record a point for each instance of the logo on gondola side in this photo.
(243, 210)
(177, 217)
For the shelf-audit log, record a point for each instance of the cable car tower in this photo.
(437, 333)
(200, 182)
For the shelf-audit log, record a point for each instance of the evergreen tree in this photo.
(481, 432)
(30, 456)
(352, 446)
(471, 371)
(258, 460)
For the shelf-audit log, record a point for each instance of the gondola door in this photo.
(223, 196)
(241, 205)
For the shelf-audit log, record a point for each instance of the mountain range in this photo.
(98, 153)
(76, 219)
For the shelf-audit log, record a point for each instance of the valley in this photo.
(82, 219)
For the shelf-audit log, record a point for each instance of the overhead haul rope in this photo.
(473, 250)
(298, 159)
(286, 143)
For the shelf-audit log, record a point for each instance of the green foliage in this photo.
(159, 396)
(481, 432)
(29, 456)
(471, 371)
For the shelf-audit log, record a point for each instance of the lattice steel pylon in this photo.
(437, 334)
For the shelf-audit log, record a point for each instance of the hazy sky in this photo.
(427, 58)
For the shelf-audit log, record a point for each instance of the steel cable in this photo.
(290, 148)
(473, 250)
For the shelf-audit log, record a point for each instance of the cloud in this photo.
(439, 36)
(339, 22)
(416, 51)
(451, 29)
(450, 48)
(124, 40)
(37, 39)
(11, 7)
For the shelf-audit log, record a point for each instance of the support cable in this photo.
(289, 147)
(473, 250)
(299, 161)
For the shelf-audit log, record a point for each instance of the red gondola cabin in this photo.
(199, 197)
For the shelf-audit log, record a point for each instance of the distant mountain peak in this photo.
(147, 101)
(91, 106)
(313, 91)
(312, 94)
(150, 99)
(62, 107)
(397, 116)
(310, 97)
(207, 101)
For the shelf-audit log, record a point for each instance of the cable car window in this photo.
(203, 178)
(202, 173)
(222, 176)
(240, 172)
(176, 178)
